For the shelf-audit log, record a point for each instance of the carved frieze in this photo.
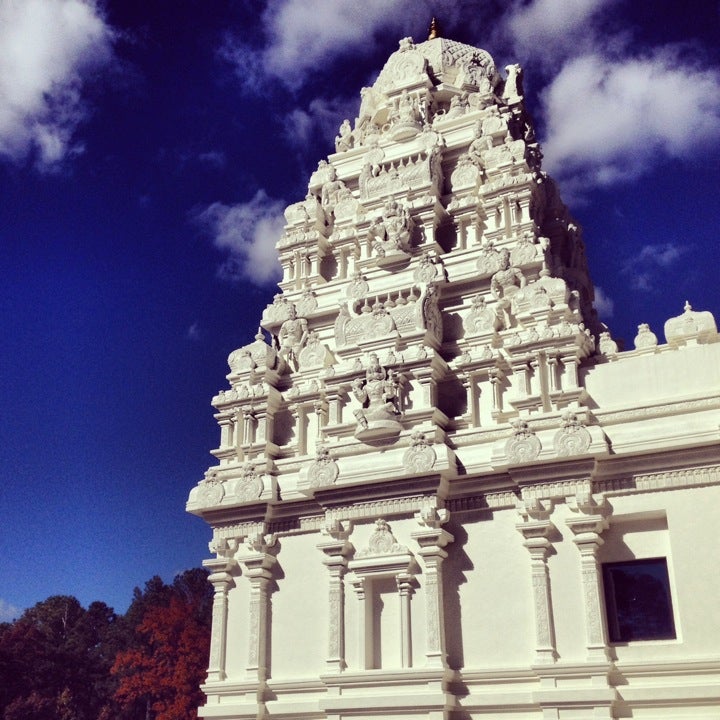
(358, 288)
(403, 68)
(420, 456)
(314, 354)
(489, 260)
(249, 485)
(572, 438)
(211, 489)
(523, 446)
(381, 542)
(481, 318)
(324, 470)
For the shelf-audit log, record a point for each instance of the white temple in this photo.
(441, 490)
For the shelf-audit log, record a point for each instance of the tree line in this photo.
(60, 661)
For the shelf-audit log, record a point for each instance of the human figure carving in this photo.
(507, 279)
(505, 283)
(393, 231)
(379, 390)
(344, 140)
(513, 85)
(292, 336)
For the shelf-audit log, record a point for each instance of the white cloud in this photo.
(8, 612)
(46, 48)
(322, 118)
(547, 29)
(603, 304)
(610, 120)
(248, 233)
(305, 33)
(302, 36)
(647, 265)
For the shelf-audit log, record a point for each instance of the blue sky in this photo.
(147, 151)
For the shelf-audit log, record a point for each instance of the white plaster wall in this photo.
(633, 381)
(299, 609)
(495, 605)
(692, 547)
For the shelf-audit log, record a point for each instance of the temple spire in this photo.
(434, 29)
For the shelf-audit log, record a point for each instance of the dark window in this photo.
(637, 600)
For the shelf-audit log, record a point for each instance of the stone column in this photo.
(535, 528)
(336, 548)
(432, 539)
(404, 583)
(221, 580)
(257, 565)
(587, 528)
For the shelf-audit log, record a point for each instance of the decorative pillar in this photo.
(535, 528)
(553, 365)
(249, 425)
(227, 426)
(496, 376)
(432, 539)
(221, 579)
(336, 547)
(405, 583)
(257, 565)
(587, 529)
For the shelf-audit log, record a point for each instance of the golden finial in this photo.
(434, 29)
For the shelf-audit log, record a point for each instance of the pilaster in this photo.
(221, 579)
(257, 563)
(535, 528)
(336, 548)
(587, 528)
(432, 539)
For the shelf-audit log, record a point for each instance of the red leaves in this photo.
(166, 668)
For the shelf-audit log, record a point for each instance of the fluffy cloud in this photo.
(46, 48)
(610, 120)
(247, 232)
(611, 111)
(288, 24)
(645, 267)
(548, 29)
(303, 35)
(321, 117)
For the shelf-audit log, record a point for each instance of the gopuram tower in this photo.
(441, 491)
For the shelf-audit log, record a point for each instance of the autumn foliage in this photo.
(165, 668)
(59, 661)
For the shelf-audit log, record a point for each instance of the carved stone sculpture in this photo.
(391, 233)
(523, 446)
(572, 438)
(292, 336)
(419, 457)
(324, 470)
(344, 140)
(379, 395)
